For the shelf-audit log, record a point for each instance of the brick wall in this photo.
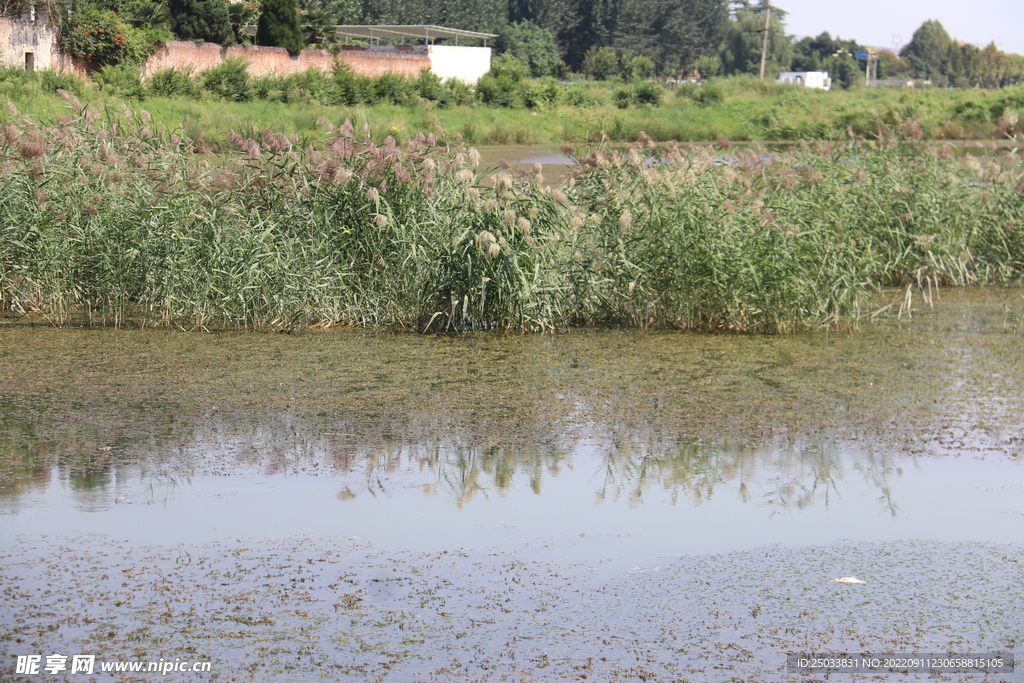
(21, 36)
(276, 60)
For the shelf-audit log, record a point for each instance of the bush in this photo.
(708, 94)
(460, 93)
(578, 96)
(52, 81)
(624, 97)
(545, 93)
(649, 93)
(311, 85)
(99, 38)
(708, 65)
(430, 87)
(228, 81)
(600, 63)
(509, 66)
(391, 88)
(637, 68)
(173, 82)
(500, 91)
(349, 88)
(123, 80)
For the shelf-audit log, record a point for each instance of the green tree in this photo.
(993, 67)
(473, 15)
(279, 26)
(317, 29)
(152, 15)
(1014, 74)
(891, 65)
(834, 55)
(240, 14)
(530, 44)
(636, 67)
(741, 53)
(928, 51)
(201, 20)
(338, 11)
(592, 23)
(672, 33)
(600, 63)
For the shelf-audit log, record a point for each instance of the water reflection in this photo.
(786, 425)
(784, 474)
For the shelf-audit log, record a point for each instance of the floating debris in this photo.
(848, 579)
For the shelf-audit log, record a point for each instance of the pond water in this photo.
(590, 505)
(555, 163)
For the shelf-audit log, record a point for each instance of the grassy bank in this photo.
(739, 108)
(110, 216)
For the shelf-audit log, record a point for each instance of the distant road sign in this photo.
(862, 54)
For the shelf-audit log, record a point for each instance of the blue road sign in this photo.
(861, 54)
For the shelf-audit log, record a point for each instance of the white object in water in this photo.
(849, 579)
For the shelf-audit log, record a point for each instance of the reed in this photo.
(110, 218)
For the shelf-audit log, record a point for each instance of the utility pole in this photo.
(764, 43)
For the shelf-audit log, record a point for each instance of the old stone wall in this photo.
(27, 41)
(265, 61)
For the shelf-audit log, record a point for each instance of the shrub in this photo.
(545, 93)
(173, 82)
(708, 95)
(500, 91)
(349, 88)
(640, 93)
(98, 37)
(578, 96)
(649, 93)
(708, 65)
(391, 88)
(123, 80)
(600, 63)
(509, 66)
(637, 68)
(228, 81)
(430, 87)
(311, 85)
(624, 97)
(52, 81)
(460, 92)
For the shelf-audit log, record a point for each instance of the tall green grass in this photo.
(226, 99)
(112, 218)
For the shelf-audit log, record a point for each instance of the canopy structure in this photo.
(415, 31)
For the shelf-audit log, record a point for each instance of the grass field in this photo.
(740, 109)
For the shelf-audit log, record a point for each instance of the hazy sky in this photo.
(878, 22)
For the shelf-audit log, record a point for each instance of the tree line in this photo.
(600, 38)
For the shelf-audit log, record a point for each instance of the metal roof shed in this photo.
(403, 31)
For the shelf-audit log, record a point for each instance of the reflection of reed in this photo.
(462, 463)
(765, 418)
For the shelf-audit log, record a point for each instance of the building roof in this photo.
(401, 32)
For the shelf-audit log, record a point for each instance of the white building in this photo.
(806, 79)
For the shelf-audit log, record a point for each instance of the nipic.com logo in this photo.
(33, 665)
